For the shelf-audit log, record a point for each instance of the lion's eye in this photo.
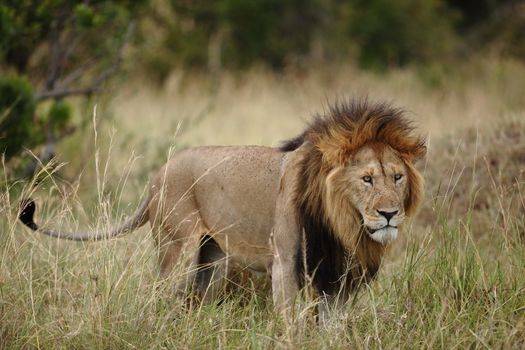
(398, 177)
(367, 179)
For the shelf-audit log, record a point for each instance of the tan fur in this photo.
(255, 202)
(345, 230)
(332, 187)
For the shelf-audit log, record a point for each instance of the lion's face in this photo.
(378, 183)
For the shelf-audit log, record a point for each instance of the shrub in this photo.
(17, 109)
(394, 33)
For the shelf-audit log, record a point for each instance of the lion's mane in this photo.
(339, 255)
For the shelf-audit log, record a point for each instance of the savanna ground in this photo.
(454, 279)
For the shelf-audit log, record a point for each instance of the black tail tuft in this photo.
(27, 210)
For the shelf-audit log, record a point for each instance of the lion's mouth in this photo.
(371, 231)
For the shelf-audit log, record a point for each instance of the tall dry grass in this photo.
(454, 279)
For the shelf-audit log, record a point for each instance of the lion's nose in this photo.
(387, 214)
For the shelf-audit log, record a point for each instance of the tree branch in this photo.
(97, 83)
(61, 93)
(76, 73)
(56, 54)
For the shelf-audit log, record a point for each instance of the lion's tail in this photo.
(138, 219)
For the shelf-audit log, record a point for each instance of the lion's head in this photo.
(357, 184)
(376, 182)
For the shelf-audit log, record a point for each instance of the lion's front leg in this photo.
(285, 284)
(285, 244)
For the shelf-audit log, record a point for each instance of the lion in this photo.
(322, 208)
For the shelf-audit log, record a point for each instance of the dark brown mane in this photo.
(326, 143)
(349, 125)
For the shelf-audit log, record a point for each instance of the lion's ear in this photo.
(334, 152)
(416, 185)
(332, 155)
(420, 153)
(417, 153)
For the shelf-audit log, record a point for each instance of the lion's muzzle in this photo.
(384, 226)
(383, 235)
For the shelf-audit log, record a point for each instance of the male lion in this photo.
(326, 204)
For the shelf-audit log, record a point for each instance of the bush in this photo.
(59, 115)
(245, 32)
(394, 33)
(17, 109)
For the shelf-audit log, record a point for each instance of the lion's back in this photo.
(233, 187)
